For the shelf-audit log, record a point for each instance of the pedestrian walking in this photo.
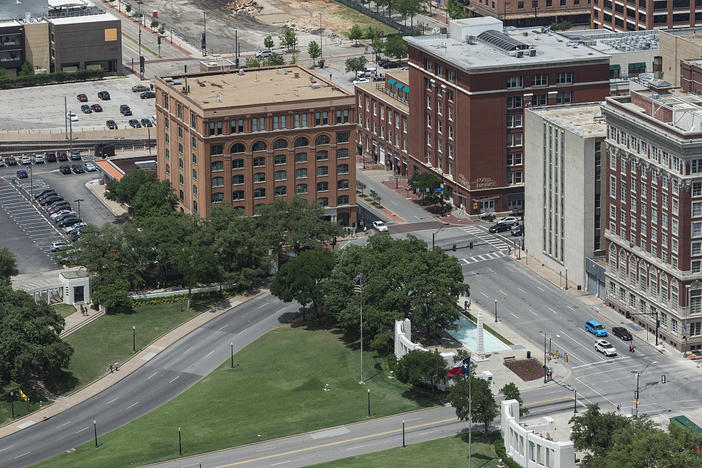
(116, 365)
(111, 369)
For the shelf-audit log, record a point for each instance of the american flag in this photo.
(357, 285)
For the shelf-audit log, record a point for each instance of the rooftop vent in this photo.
(470, 39)
(532, 52)
(501, 40)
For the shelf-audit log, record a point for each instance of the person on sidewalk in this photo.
(116, 366)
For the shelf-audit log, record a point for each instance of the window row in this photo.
(280, 159)
(280, 143)
(276, 122)
(239, 179)
(541, 79)
(281, 191)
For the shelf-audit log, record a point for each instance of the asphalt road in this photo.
(165, 376)
(394, 202)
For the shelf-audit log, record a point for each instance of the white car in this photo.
(605, 347)
(90, 167)
(508, 220)
(59, 245)
(58, 214)
(264, 53)
(2, 163)
(361, 80)
(38, 159)
(380, 226)
(73, 117)
(26, 160)
(75, 227)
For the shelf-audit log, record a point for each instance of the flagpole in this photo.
(360, 277)
(470, 415)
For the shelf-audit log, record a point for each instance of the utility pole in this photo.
(321, 54)
(495, 310)
(65, 115)
(545, 380)
(636, 396)
(566, 279)
(77, 202)
(203, 43)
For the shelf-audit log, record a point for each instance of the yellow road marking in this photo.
(548, 401)
(331, 444)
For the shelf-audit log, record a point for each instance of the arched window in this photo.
(280, 143)
(301, 141)
(664, 289)
(238, 148)
(322, 140)
(612, 258)
(259, 146)
(674, 294)
(632, 270)
(643, 276)
(622, 264)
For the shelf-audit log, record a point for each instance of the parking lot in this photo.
(42, 108)
(29, 232)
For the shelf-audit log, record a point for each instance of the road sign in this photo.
(438, 189)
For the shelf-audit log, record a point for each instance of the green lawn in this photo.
(448, 452)
(275, 390)
(362, 20)
(64, 310)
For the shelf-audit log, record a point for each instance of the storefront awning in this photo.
(392, 81)
(406, 89)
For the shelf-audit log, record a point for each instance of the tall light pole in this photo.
(12, 402)
(231, 345)
(31, 182)
(369, 413)
(95, 429)
(133, 331)
(495, 310)
(545, 373)
(566, 279)
(636, 393)
(77, 202)
(433, 234)
(320, 36)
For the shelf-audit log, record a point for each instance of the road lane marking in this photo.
(572, 308)
(111, 401)
(502, 292)
(684, 401)
(151, 375)
(20, 456)
(266, 449)
(64, 424)
(515, 315)
(81, 430)
(533, 313)
(583, 346)
(357, 447)
(596, 392)
(620, 358)
(550, 400)
(209, 354)
(332, 444)
(540, 288)
(7, 448)
(281, 463)
(523, 291)
(133, 405)
(174, 379)
(484, 294)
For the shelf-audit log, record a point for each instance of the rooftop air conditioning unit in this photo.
(520, 53)
(532, 52)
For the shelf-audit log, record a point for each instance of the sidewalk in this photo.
(98, 190)
(77, 320)
(135, 362)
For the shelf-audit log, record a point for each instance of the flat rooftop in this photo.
(256, 86)
(689, 34)
(84, 19)
(479, 56)
(616, 42)
(584, 119)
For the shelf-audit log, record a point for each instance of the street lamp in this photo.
(180, 444)
(31, 182)
(12, 402)
(636, 394)
(403, 434)
(495, 310)
(433, 234)
(133, 332)
(566, 278)
(369, 413)
(95, 429)
(231, 345)
(77, 202)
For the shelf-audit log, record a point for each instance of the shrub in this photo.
(58, 77)
(154, 23)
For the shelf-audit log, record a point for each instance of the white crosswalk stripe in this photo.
(481, 232)
(484, 257)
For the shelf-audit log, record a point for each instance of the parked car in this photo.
(86, 109)
(622, 333)
(65, 169)
(58, 214)
(45, 194)
(147, 95)
(61, 206)
(90, 167)
(96, 108)
(38, 159)
(26, 160)
(264, 53)
(499, 227)
(134, 123)
(66, 215)
(72, 117)
(74, 228)
(111, 124)
(22, 174)
(50, 200)
(605, 347)
(82, 98)
(361, 80)
(104, 95)
(146, 123)
(140, 88)
(596, 328)
(11, 161)
(75, 155)
(62, 156)
(517, 230)
(125, 110)
(2, 163)
(50, 156)
(393, 64)
(380, 226)
(70, 221)
(60, 245)
(78, 169)
(509, 220)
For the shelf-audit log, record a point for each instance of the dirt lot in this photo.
(254, 22)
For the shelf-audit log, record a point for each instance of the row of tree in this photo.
(166, 246)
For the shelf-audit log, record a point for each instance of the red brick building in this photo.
(654, 211)
(644, 14)
(383, 115)
(468, 91)
(533, 12)
(691, 75)
(251, 136)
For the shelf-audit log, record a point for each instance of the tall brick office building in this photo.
(654, 211)
(467, 94)
(644, 14)
(252, 136)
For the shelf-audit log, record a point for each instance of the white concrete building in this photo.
(562, 215)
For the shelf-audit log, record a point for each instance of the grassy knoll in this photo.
(64, 310)
(448, 452)
(276, 389)
(362, 20)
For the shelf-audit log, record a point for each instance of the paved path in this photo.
(77, 320)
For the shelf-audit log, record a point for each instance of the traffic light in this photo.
(663, 378)
(158, 39)
(636, 395)
(141, 63)
(565, 357)
(471, 245)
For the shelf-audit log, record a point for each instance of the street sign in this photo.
(438, 189)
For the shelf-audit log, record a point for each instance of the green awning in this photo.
(614, 67)
(406, 89)
(399, 85)
(391, 81)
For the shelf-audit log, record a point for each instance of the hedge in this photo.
(184, 297)
(49, 78)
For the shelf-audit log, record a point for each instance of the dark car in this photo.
(134, 123)
(78, 169)
(104, 95)
(56, 208)
(147, 95)
(499, 227)
(75, 155)
(11, 161)
(70, 221)
(65, 169)
(62, 156)
(86, 109)
(44, 193)
(67, 215)
(140, 88)
(50, 156)
(22, 174)
(146, 123)
(50, 200)
(82, 98)
(111, 124)
(96, 108)
(125, 110)
(517, 230)
(622, 333)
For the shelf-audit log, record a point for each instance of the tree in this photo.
(268, 42)
(592, 431)
(124, 190)
(378, 46)
(154, 198)
(30, 347)
(161, 29)
(275, 59)
(396, 47)
(456, 10)
(8, 265)
(360, 186)
(288, 38)
(372, 32)
(113, 294)
(3, 75)
(299, 280)
(421, 367)
(253, 62)
(355, 33)
(314, 51)
(408, 8)
(356, 64)
(27, 69)
(425, 184)
(511, 392)
(483, 408)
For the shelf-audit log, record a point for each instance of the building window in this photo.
(165, 104)
(564, 97)
(342, 137)
(259, 146)
(217, 196)
(342, 184)
(217, 166)
(281, 191)
(301, 173)
(322, 140)
(238, 148)
(238, 195)
(279, 159)
(237, 179)
(301, 141)
(514, 102)
(342, 153)
(324, 201)
(259, 192)
(258, 124)
(515, 82)
(539, 99)
(216, 149)
(238, 164)
(342, 200)
(539, 80)
(322, 155)
(237, 126)
(280, 175)
(301, 157)
(564, 77)
(301, 188)
(322, 171)
(342, 169)
(322, 186)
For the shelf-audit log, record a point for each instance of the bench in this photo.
(509, 358)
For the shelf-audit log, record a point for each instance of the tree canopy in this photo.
(355, 33)
(314, 51)
(396, 47)
(288, 38)
(425, 184)
(421, 367)
(8, 265)
(355, 64)
(511, 392)
(484, 407)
